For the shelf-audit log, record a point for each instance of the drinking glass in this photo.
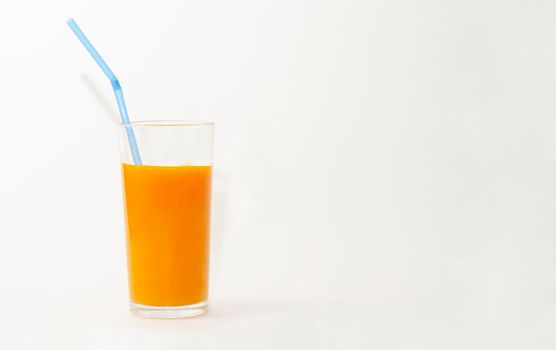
(167, 201)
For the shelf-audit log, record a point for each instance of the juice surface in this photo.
(168, 223)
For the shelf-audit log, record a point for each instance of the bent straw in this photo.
(115, 86)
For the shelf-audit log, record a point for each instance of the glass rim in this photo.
(166, 123)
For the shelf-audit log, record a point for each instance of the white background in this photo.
(385, 171)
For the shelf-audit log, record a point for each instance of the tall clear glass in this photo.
(167, 212)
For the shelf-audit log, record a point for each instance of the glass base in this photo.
(169, 311)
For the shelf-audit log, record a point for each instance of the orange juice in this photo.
(168, 223)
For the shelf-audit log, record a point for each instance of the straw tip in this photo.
(70, 20)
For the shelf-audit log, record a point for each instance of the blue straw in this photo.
(115, 86)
